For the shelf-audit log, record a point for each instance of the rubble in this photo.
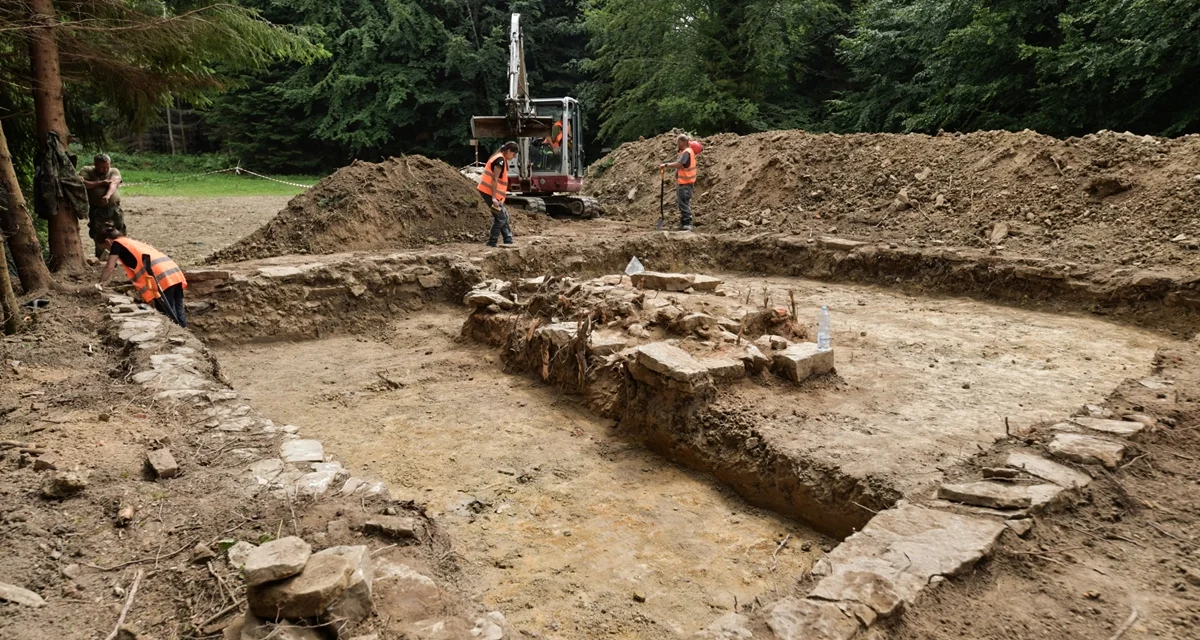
(1087, 449)
(162, 463)
(276, 560)
(392, 526)
(354, 604)
(800, 361)
(307, 595)
(64, 484)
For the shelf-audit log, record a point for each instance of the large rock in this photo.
(485, 298)
(1060, 475)
(672, 362)
(995, 495)
(276, 560)
(904, 548)
(1115, 427)
(661, 281)
(802, 360)
(163, 463)
(1087, 449)
(64, 484)
(18, 595)
(307, 595)
(323, 477)
(355, 603)
(302, 451)
(805, 619)
(693, 322)
(238, 554)
(754, 359)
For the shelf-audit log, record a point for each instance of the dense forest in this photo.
(405, 76)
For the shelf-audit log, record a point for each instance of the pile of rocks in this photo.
(296, 594)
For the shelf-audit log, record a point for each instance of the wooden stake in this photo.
(128, 603)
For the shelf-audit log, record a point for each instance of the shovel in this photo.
(662, 191)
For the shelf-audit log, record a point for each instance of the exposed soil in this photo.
(398, 203)
(1102, 198)
(562, 522)
(187, 229)
(1122, 556)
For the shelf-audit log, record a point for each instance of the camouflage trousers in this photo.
(101, 219)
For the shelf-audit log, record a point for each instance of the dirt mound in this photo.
(1106, 197)
(397, 203)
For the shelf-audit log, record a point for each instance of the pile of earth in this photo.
(395, 204)
(1103, 198)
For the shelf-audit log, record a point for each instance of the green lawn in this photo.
(167, 183)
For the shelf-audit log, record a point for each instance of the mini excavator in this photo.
(547, 174)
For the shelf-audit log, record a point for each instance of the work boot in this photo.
(684, 227)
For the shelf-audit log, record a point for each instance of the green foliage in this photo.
(711, 66)
(405, 76)
(163, 162)
(168, 183)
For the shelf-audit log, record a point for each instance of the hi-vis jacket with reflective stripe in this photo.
(687, 175)
(162, 269)
(486, 183)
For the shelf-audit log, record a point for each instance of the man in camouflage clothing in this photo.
(102, 180)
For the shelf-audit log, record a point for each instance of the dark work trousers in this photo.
(683, 195)
(171, 305)
(500, 225)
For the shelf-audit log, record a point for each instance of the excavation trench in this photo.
(552, 498)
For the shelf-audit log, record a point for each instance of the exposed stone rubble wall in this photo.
(327, 295)
(293, 584)
(623, 350)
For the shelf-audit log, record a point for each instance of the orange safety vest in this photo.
(162, 269)
(688, 175)
(557, 142)
(486, 182)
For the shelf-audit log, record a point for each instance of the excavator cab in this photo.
(554, 163)
(549, 167)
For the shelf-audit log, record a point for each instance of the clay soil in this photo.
(563, 524)
(1102, 198)
(434, 415)
(398, 203)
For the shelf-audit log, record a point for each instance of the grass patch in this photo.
(169, 183)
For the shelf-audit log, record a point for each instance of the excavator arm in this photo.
(521, 120)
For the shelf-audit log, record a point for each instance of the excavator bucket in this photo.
(502, 127)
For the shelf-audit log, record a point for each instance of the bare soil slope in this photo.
(398, 203)
(1107, 197)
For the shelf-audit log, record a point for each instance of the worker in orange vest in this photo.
(493, 185)
(155, 277)
(685, 180)
(556, 136)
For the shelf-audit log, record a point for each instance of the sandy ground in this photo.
(933, 379)
(187, 229)
(564, 524)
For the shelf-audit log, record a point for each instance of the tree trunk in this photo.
(170, 131)
(66, 250)
(17, 226)
(182, 131)
(9, 307)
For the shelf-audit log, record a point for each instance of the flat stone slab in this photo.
(307, 595)
(724, 368)
(485, 298)
(670, 361)
(19, 595)
(994, 495)
(799, 361)
(1115, 427)
(276, 560)
(1087, 449)
(604, 343)
(807, 619)
(560, 334)
(705, 283)
(1059, 474)
(302, 451)
(662, 281)
(903, 547)
(279, 272)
